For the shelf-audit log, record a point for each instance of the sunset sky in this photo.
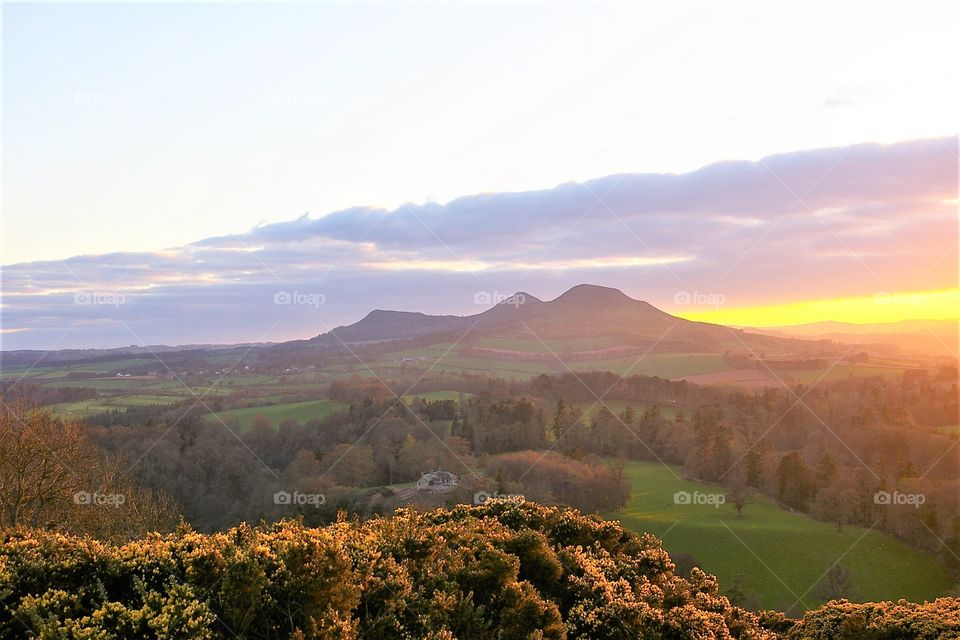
(170, 169)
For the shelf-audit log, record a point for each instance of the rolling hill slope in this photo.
(592, 321)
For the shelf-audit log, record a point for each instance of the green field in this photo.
(554, 345)
(299, 411)
(49, 375)
(143, 400)
(780, 554)
(99, 383)
(84, 408)
(80, 409)
(112, 366)
(662, 365)
(838, 372)
(519, 369)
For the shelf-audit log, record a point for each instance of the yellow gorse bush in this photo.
(501, 570)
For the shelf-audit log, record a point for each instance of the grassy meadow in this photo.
(780, 554)
(297, 411)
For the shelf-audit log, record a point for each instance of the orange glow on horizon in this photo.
(882, 307)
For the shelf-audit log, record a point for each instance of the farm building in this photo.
(437, 481)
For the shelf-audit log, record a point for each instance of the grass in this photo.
(662, 365)
(495, 368)
(838, 372)
(102, 404)
(177, 387)
(779, 553)
(101, 384)
(298, 411)
(81, 409)
(52, 375)
(111, 366)
(546, 346)
(143, 400)
(23, 373)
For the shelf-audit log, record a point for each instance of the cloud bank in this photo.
(811, 224)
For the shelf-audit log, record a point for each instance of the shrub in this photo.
(503, 570)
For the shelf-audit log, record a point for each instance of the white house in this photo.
(437, 481)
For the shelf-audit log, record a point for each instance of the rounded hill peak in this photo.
(520, 298)
(592, 293)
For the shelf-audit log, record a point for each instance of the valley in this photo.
(574, 387)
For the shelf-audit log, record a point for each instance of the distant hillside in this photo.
(925, 336)
(599, 319)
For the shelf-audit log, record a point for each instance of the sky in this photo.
(171, 170)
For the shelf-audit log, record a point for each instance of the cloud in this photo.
(819, 223)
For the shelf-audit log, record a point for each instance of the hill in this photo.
(936, 337)
(589, 320)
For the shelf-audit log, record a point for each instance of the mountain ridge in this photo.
(585, 312)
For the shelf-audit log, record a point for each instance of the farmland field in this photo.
(298, 411)
(84, 408)
(662, 365)
(781, 555)
(838, 372)
(533, 345)
(99, 383)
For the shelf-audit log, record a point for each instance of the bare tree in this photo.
(738, 493)
(836, 583)
(52, 476)
(41, 460)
